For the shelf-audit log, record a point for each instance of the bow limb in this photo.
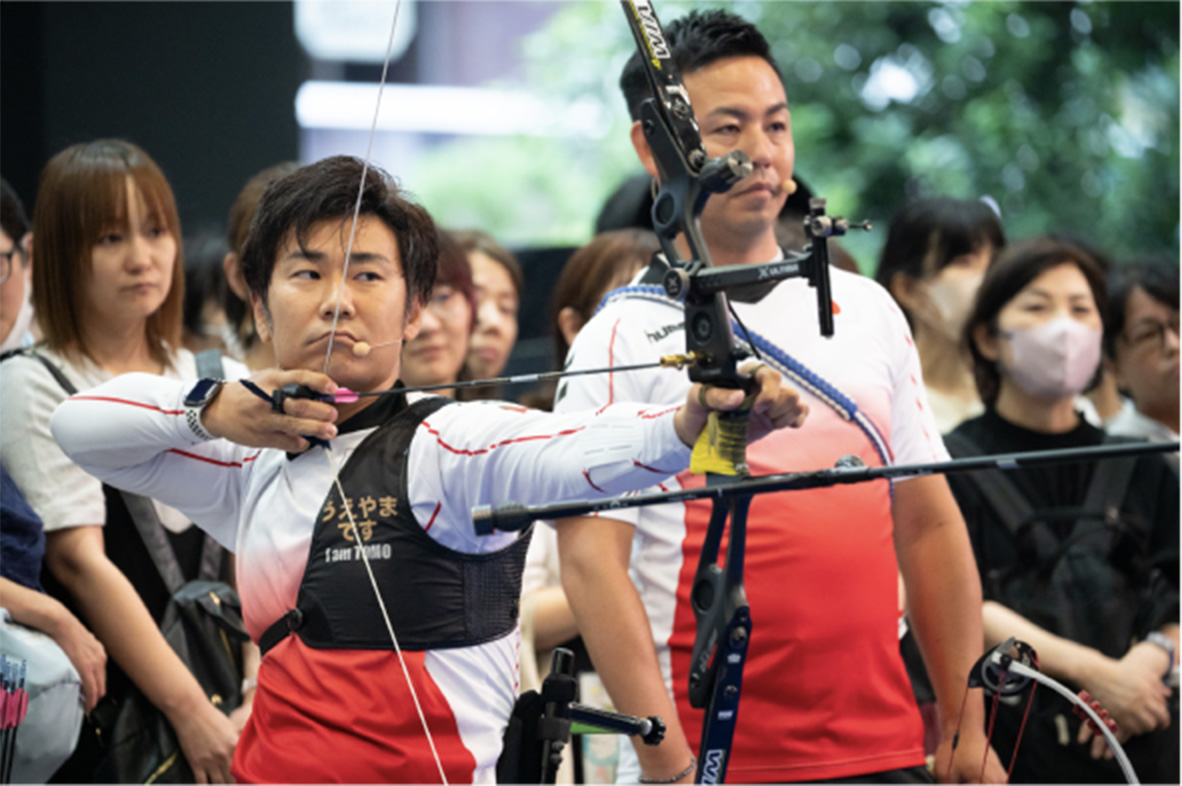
(687, 178)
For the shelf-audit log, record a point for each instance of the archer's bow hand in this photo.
(773, 405)
(248, 418)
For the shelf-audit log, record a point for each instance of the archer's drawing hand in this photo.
(240, 416)
(775, 406)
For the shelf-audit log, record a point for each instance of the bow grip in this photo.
(292, 390)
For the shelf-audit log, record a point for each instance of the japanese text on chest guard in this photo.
(362, 509)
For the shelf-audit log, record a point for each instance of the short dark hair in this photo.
(1014, 268)
(928, 234)
(13, 219)
(1158, 276)
(325, 191)
(695, 41)
(205, 280)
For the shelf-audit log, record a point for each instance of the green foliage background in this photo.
(1065, 113)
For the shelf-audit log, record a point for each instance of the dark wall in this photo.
(207, 88)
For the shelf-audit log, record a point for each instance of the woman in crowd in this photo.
(108, 291)
(1080, 559)
(437, 354)
(935, 256)
(499, 283)
(609, 261)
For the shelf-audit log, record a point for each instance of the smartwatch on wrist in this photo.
(205, 391)
(1166, 643)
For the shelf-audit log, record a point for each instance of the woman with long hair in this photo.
(108, 291)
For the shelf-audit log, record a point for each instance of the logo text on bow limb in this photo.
(712, 765)
(652, 32)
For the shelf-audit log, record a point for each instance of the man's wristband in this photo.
(1166, 643)
(249, 684)
(673, 778)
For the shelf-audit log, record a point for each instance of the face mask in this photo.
(24, 318)
(952, 300)
(1055, 360)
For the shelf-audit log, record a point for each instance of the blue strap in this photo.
(785, 363)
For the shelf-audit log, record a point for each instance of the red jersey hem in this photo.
(828, 770)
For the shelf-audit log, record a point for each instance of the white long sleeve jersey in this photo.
(263, 505)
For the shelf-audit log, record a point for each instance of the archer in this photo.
(825, 692)
(392, 495)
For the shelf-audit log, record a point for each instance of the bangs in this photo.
(99, 193)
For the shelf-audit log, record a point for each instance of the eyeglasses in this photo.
(1151, 334)
(447, 302)
(6, 265)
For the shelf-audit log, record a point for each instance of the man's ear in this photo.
(643, 151)
(232, 266)
(262, 321)
(987, 342)
(414, 321)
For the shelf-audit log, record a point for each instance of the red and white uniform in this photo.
(825, 693)
(325, 715)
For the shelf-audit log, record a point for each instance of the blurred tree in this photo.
(1066, 114)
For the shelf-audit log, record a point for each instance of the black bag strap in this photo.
(1007, 501)
(155, 537)
(209, 364)
(1110, 484)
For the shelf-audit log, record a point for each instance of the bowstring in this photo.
(385, 614)
(328, 357)
(373, 128)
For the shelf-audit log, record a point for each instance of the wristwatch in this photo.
(1166, 643)
(205, 391)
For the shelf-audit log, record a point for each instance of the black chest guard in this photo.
(437, 598)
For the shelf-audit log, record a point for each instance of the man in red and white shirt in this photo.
(825, 694)
(311, 498)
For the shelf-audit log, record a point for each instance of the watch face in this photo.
(201, 392)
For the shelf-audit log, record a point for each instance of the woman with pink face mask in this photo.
(1079, 560)
(934, 259)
